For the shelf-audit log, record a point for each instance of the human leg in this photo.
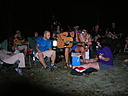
(22, 60)
(81, 49)
(53, 57)
(14, 58)
(24, 48)
(41, 58)
(66, 56)
(94, 65)
(25, 51)
(52, 54)
(90, 60)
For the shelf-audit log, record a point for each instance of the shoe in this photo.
(66, 65)
(74, 72)
(55, 67)
(19, 71)
(47, 68)
(90, 70)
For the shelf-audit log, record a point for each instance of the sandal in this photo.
(66, 65)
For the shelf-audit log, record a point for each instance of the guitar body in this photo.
(67, 41)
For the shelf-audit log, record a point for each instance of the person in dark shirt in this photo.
(104, 59)
(75, 47)
(114, 31)
(96, 33)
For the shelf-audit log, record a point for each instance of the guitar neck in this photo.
(77, 42)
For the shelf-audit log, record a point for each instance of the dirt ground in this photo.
(60, 82)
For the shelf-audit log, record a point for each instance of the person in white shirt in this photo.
(11, 58)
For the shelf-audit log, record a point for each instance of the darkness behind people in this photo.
(30, 16)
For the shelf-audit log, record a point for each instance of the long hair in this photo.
(102, 42)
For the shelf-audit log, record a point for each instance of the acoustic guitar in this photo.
(67, 40)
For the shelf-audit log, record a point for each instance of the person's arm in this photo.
(101, 56)
(24, 41)
(53, 36)
(49, 48)
(104, 58)
(37, 48)
(77, 36)
(59, 36)
(49, 45)
(8, 53)
(81, 39)
(88, 43)
(11, 54)
(64, 34)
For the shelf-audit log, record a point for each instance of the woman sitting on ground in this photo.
(104, 59)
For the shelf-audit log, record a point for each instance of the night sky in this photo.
(30, 16)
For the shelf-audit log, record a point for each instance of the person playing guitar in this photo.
(75, 47)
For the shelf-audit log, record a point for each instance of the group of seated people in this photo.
(80, 41)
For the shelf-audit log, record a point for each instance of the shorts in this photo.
(104, 66)
(21, 47)
(47, 53)
(74, 47)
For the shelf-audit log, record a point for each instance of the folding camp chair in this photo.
(32, 57)
(11, 67)
(31, 53)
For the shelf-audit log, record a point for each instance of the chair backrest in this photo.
(4, 44)
(32, 42)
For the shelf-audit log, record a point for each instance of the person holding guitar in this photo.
(20, 42)
(70, 36)
(104, 59)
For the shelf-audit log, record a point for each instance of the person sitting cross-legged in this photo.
(104, 60)
(44, 48)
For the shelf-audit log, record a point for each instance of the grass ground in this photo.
(60, 82)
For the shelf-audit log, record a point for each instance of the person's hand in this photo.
(85, 49)
(11, 54)
(100, 57)
(40, 52)
(63, 43)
